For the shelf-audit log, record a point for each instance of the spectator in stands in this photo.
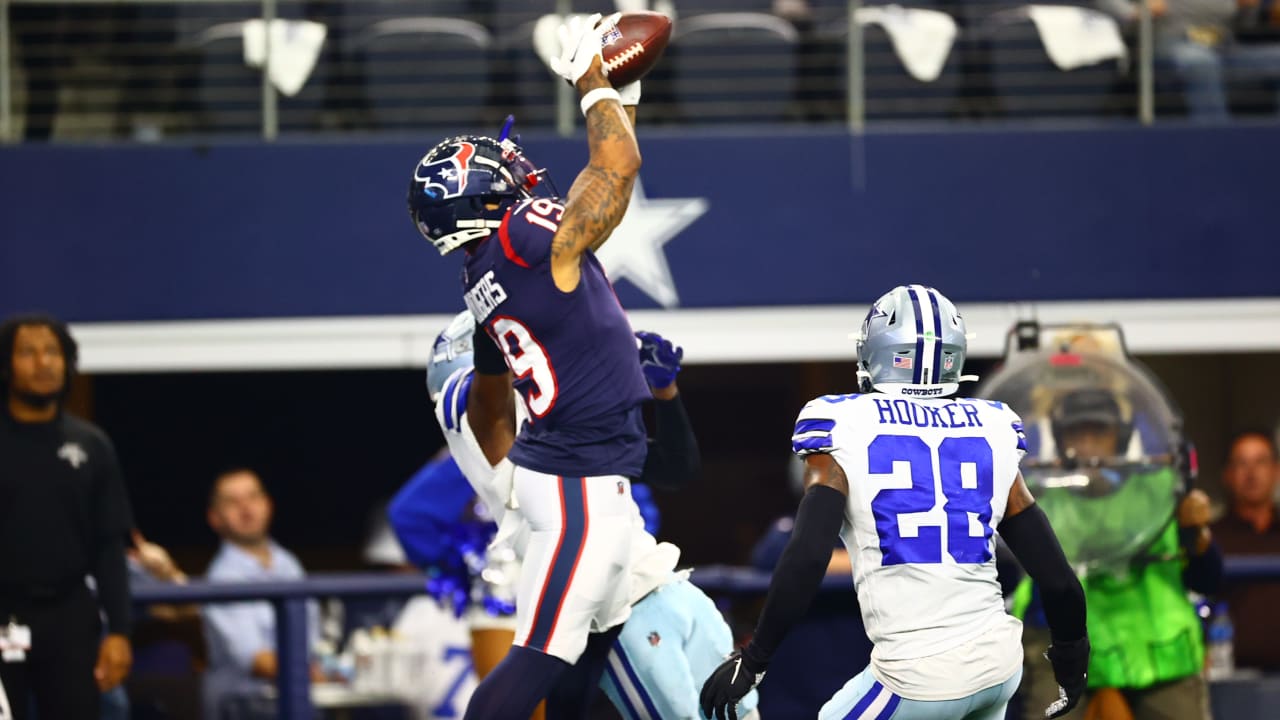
(241, 636)
(1195, 37)
(1250, 527)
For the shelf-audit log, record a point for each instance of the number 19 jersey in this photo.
(573, 354)
(929, 480)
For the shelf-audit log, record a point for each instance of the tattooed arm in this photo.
(599, 197)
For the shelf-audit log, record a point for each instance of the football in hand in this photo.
(633, 46)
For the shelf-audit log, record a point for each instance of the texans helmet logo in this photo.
(446, 177)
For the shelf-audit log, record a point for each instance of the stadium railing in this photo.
(147, 69)
(290, 602)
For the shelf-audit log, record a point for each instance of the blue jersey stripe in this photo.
(814, 425)
(451, 386)
(937, 333)
(888, 709)
(801, 445)
(623, 705)
(573, 536)
(865, 702)
(635, 680)
(1022, 436)
(460, 398)
(918, 365)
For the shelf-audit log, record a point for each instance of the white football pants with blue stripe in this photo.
(672, 642)
(864, 698)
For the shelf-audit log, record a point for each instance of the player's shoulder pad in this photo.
(816, 422)
(453, 399)
(527, 231)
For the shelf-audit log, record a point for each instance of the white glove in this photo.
(581, 40)
(629, 94)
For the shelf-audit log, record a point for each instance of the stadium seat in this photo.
(425, 72)
(1026, 83)
(228, 93)
(889, 90)
(526, 86)
(734, 67)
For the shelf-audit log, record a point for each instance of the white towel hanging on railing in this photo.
(1074, 37)
(295, 48)
(922, 39)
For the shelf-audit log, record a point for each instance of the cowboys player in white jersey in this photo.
(675, 634)
(915, 483)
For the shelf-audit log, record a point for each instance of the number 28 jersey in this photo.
(929, 480)
(573, 354)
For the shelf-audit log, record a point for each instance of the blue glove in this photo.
(659, 359)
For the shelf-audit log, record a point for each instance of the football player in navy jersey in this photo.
(532, 282)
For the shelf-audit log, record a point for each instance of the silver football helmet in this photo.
(453, 350)
(912, 344)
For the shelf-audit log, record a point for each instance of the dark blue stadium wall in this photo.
(144, 233)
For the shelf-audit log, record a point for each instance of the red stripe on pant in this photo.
(555, 593)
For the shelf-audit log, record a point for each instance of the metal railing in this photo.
(379, 65)
(289, 599)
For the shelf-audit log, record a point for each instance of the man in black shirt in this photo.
(64, 515)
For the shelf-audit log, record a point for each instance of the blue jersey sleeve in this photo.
(453, 399)
(813, 429)
(527, 231)
(424, 510)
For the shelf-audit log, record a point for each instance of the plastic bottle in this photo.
(362, 653)
(382, 659)
(1221, 637)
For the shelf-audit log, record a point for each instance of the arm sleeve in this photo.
(433, 500)
(488, 358)
(813, 430)
(800, 569)
(113, 520)
(674, 460)
(1203, 573)
(1030, 537)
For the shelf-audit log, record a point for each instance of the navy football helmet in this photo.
(463, 187)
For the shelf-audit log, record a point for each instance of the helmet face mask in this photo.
(464, 186)
(912, 343)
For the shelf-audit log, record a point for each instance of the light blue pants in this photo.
(1204, 71)
(669, 646)
(864, 698)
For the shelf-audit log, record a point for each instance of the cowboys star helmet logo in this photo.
(446, 177)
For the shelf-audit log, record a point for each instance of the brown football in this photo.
(633, 47)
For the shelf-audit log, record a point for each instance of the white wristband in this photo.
(594, 96)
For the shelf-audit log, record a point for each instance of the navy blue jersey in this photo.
(573, 354)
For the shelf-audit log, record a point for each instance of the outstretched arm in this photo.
(674, 460)
(600, 195)
(491, 406)
(795, 581)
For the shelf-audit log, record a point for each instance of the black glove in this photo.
(1071, 669)
(729, 684)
